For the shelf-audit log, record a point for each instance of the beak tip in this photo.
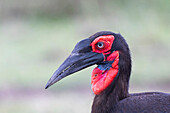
(50, 82)
(47, 85)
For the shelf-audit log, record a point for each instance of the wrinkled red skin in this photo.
(101, 79)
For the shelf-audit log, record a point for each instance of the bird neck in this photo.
(108, 99)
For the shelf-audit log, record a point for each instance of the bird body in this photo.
(152, 102)
(110, 79)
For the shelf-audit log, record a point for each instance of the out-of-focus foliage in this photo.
(37, 35)
(71, 8)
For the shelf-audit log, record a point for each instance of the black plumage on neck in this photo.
(107, 100)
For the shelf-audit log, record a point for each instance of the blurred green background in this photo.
(37, 35)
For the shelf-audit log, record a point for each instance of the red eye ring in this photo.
(107, 41)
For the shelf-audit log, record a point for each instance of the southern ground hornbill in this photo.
(110, 79)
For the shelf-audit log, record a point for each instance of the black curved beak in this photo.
(76, 62)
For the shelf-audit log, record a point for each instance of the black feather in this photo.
(116, 98)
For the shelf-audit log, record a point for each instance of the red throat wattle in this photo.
(101, 79)
(104, 74)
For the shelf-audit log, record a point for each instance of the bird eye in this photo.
(100, 45)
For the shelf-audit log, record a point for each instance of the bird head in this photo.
(105, 49)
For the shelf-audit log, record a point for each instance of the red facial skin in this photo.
(101, 79)
(106, 39)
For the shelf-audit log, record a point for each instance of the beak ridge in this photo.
(75, 62)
